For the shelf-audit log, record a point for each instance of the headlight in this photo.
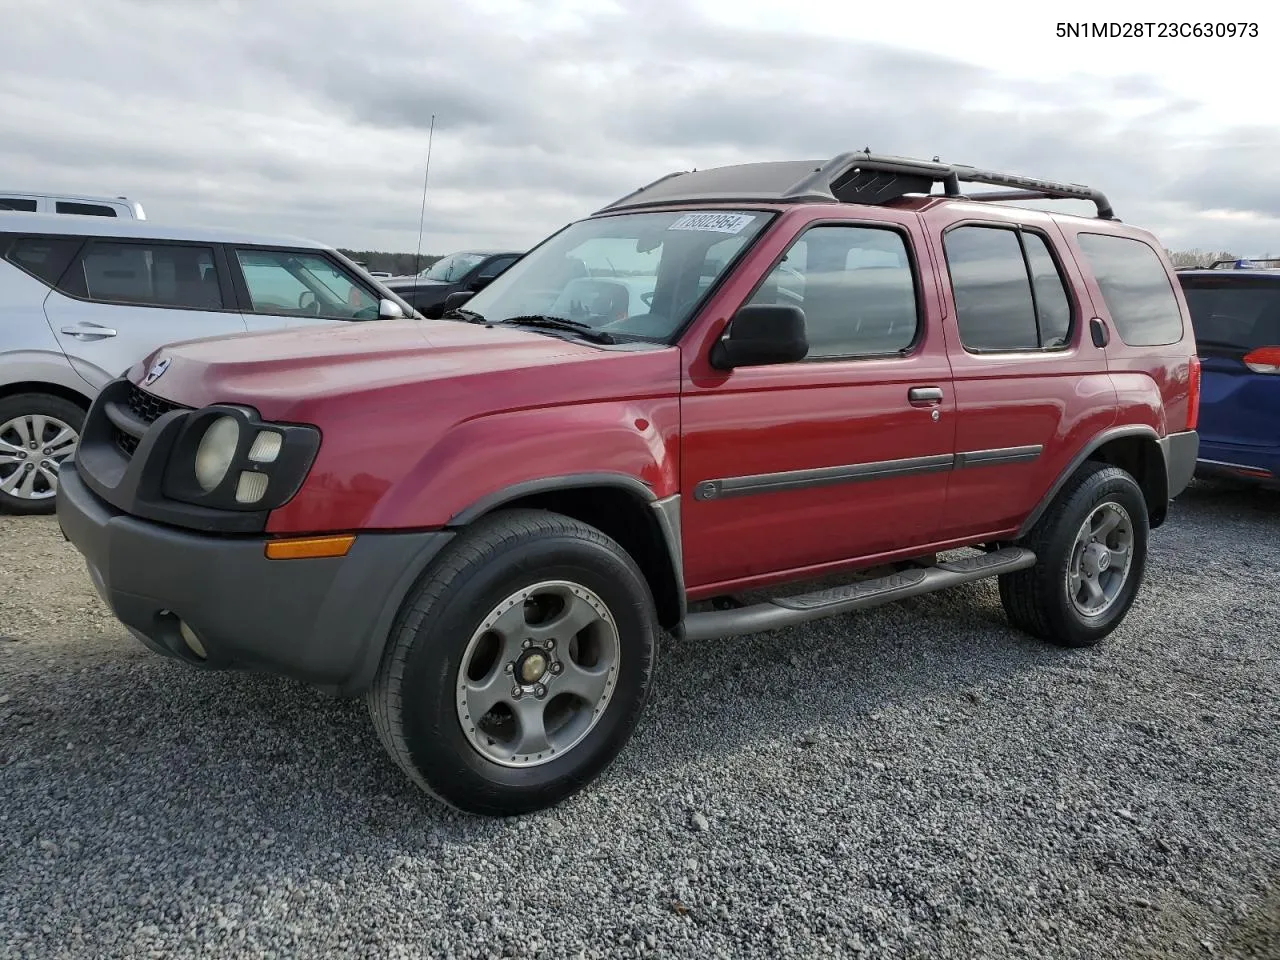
(216, 452)
(226, 457)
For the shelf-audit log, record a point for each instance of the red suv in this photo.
(736, 379)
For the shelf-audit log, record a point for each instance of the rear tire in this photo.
(1091, 555)
(38, 432)
(528, 599)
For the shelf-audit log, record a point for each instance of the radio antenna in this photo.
(423, 213)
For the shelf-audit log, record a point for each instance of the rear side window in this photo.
(18, 203)
(1136, 289)
(1233, 317)
(45, 258)
(148, 274)
(85, 209)
(1008, 290)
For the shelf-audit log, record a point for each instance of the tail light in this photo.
(1193, 392)
(1263, 360)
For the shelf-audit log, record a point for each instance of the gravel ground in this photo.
(917, 781)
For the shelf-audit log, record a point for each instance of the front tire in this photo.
(1091, 556)
(38, 432)
(518, 668)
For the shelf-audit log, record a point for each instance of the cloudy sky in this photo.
(311, 116)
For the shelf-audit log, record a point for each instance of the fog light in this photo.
(251, 487)
(192, 641)
(266, 447)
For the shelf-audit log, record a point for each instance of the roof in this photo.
(76, 225)
(60, 195)
(856, 177)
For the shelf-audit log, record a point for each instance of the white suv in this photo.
(22, 201)
(83, 298)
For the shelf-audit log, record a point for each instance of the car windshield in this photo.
(1237, 315)
(637, 275)
(452, 268)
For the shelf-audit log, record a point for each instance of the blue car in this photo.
(1236, 315)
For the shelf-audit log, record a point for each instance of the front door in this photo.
(843, 456)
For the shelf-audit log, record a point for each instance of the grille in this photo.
(147, 408)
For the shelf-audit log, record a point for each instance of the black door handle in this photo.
(1099, 332)
(924, 396)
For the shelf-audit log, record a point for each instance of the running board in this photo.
(790, 611)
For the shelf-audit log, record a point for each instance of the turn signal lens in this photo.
(309, 547)
(1263, 360)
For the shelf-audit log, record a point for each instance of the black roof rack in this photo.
(858, 177)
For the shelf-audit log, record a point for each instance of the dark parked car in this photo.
(466, 271)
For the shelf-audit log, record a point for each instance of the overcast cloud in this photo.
(311, 116)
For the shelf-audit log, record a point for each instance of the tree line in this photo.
(397, 264)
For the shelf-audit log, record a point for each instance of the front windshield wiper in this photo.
(584, 330)
(462, 313)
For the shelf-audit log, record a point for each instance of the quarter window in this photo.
(21, 204)
(292, 283)
(856, 287)
(150, 274)
(46, 258)
(1136, 289)
(1009, 293)
(84, 209)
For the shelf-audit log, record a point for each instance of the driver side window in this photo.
(856, 287)
(293, 283)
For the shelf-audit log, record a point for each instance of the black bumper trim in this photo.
(1180, 453)
(321, 621)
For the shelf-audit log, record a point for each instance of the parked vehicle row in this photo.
(737, 379)
(465, 271)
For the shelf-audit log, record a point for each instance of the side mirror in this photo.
(455, 300)
(389, 310)
(760, 335)
(479, 283)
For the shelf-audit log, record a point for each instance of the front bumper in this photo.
(322, 621)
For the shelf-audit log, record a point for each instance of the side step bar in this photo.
(790, 611)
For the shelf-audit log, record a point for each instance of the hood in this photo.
(282, 372)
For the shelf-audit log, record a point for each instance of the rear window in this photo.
(1136, 289)
(1234, 316)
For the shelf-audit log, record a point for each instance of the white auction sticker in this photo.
(713, 222)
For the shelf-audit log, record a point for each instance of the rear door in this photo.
(1030, 385)
(121, 299)
(1237, 325)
